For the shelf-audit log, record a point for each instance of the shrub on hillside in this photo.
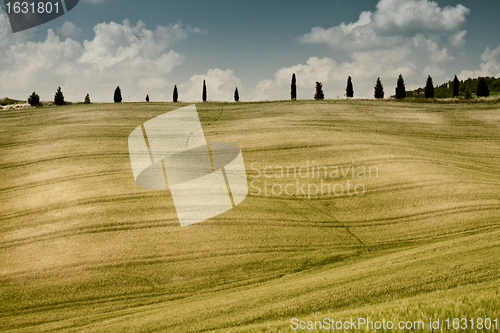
(349, 91)
(429, 88)
(59, 97)
(379, 89)
(117, 98)
(319, 91)
(400, 88)
(34, 99)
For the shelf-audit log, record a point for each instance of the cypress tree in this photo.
(58, 97)
(482, 88)
(400, 88)
(429, 88)
(147, 98)
(293, 91)
(349, 92)
(204, 94)
(456, 86)
(319, 91)
(236, 95)
(117, 98)
(175, 94)
(379, 89)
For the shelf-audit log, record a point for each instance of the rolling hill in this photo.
(83, 248)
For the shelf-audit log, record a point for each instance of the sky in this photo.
(146, 47)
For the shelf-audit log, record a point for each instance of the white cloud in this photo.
(220, 86)
(137, 59)
(412, 17)
(263, 89)
(133, 45)
(34, 65)
(490, 65)
(7, 37)
(360, 35)
(411, 37)
(458, 39)
(391, 24)
(415, 60)
(68, 29)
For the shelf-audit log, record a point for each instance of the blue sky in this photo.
(148, 46)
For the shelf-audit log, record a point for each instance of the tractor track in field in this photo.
(217, 118)
(80, 202)
(54, 181)
(96, 265)
(341, 225)
(189, 138)
(422, 215)
(157, 223)
(61, 157)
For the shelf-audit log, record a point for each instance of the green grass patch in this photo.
(8, 101)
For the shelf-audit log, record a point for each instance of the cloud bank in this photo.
(490, 65)
(132, 56)
(413, 37)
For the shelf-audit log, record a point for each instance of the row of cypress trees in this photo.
(117, 98)
(482, 91)
(349, 90)
(482, 88)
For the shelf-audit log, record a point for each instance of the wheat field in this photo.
(83, 248)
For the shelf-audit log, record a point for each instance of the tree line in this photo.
(455, 88)
(479, 86)
(34, 98)
(482, 86)
(117, 98)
